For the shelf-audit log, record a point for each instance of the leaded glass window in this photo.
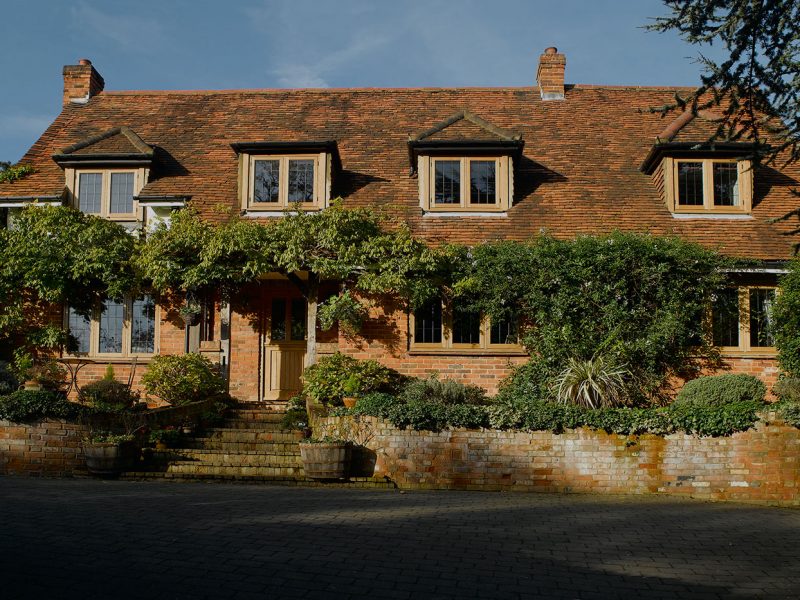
(761, 324)
(726, 184)
(447, 182)
(482, 182)
(267, 181)
(143, 325)
(90, 193)
(121, 193)
(690, 183)
(466, 327)
(112, 320)
(301, 180)
(428, 323)
(80, 331)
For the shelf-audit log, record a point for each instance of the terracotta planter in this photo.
(326, 461)
(32, 385)
(161, 445)
(349, 402)
(109, 460)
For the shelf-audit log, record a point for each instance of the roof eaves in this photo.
(689, 149)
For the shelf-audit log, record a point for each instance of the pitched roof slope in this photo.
(578, 174)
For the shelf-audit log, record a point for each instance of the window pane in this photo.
(428, 323)
(725, 315)
(726, 184)
(111, 319)
(90, 190)
(466, 327)
(298, 320)
(482, 182)
(79, 331)
(301, 181)
(121, 193)
(447, 181)
(267, 176)
(278, 320)
(143, 326)
(761, 303)
(690, 183)
(504, 331)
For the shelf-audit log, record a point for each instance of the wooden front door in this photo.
(284, 348)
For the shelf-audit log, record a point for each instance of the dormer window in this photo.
(275, 176)
(465, 183)
(107, 193)
(709, 185)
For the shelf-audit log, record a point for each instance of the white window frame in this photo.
(322, 167)
(94, 334)
(426, 168)
(744, 180)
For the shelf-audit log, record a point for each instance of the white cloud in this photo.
(128, 31)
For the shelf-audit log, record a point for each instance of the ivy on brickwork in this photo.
(15, 173)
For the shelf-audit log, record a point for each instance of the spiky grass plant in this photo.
(592, 383)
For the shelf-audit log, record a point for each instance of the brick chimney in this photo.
(81, 82)
(550, 75)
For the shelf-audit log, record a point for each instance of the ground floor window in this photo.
(741, 319)
(441, 326)
(117, 328)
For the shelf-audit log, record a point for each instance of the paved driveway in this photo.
(94, 539)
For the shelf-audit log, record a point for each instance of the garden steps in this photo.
(232, 434)
(353, 482)
(204, 457)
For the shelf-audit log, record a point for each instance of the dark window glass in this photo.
(143, 325)
(504, 331)
(428, 323)
(267, 177)
(298, 331)
(90, 191)
(482, 182)
(278, 320)
(466, 327)
(726, 184)
(725, 318)
(761, 326)
(121, 193)
(696, 334)
(301, 181)
(80, 332)
(690, 183)
(447, 182)
(111, 320)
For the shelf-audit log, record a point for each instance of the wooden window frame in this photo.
(447, 346)
(322, 166)
(744, 180)
(426, 169)
(73, 184)
(94, 334)
(744, 348)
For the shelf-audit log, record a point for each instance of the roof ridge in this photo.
(127, 132)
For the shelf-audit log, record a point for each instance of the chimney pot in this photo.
(550, 74)
(81, 83)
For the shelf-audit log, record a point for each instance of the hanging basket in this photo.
(326, 461)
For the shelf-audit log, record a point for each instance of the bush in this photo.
(376, 404)
(8, 382)
(109, 395)
(448, 392)
(718, 390)
(296, 417)
(332, 377)
(592, 383)
(169, 436)
(790, 413)
(787, 389)
(786, 316)
(184, 378)
(714, 420)
(25, 406)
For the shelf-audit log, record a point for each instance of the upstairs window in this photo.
(280, 182)
(464, 184)
(440, 327)
(708, 185)
(108, 194)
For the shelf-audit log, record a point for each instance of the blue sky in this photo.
(203, 44)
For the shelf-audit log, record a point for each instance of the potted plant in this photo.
(108, 454)
(351, 387)
(326, 458)
(168, 437)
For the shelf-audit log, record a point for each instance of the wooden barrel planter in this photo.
(108, 459)
(326, 461)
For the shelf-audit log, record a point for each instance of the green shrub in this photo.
(447, 391)
(376, 404)
(109, 395)
(718, 390)
(787, 389)
(786, 317)
(296, 417)
(592, 383)
(714, 420)
(168, 435)
(8, 382)
(790, 413)
(325, 382)
(25, 406)
(180, 379)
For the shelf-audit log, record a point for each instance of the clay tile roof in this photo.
(464, 125)
(118, 141)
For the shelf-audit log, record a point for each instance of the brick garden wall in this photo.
(760, 465)
(49, 448)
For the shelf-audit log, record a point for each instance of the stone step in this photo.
(209, 444)
(222, 458)
(353, 482)
(278, 471)
(232, 434)
(254, 416)
(260, 407)
(245, 424)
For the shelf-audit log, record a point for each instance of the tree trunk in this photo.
(312, 296)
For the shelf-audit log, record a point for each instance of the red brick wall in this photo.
(760, 465)
(48, 448)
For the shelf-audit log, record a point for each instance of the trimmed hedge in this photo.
(25, 406)
(718, 390)
(550, 416)
(182, 378)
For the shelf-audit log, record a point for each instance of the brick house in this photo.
(566, 159)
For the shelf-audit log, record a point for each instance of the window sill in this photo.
(468, 352)
(739, 216)
(763, 354)
(116, 360)
(465, 213)
(259, 213)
